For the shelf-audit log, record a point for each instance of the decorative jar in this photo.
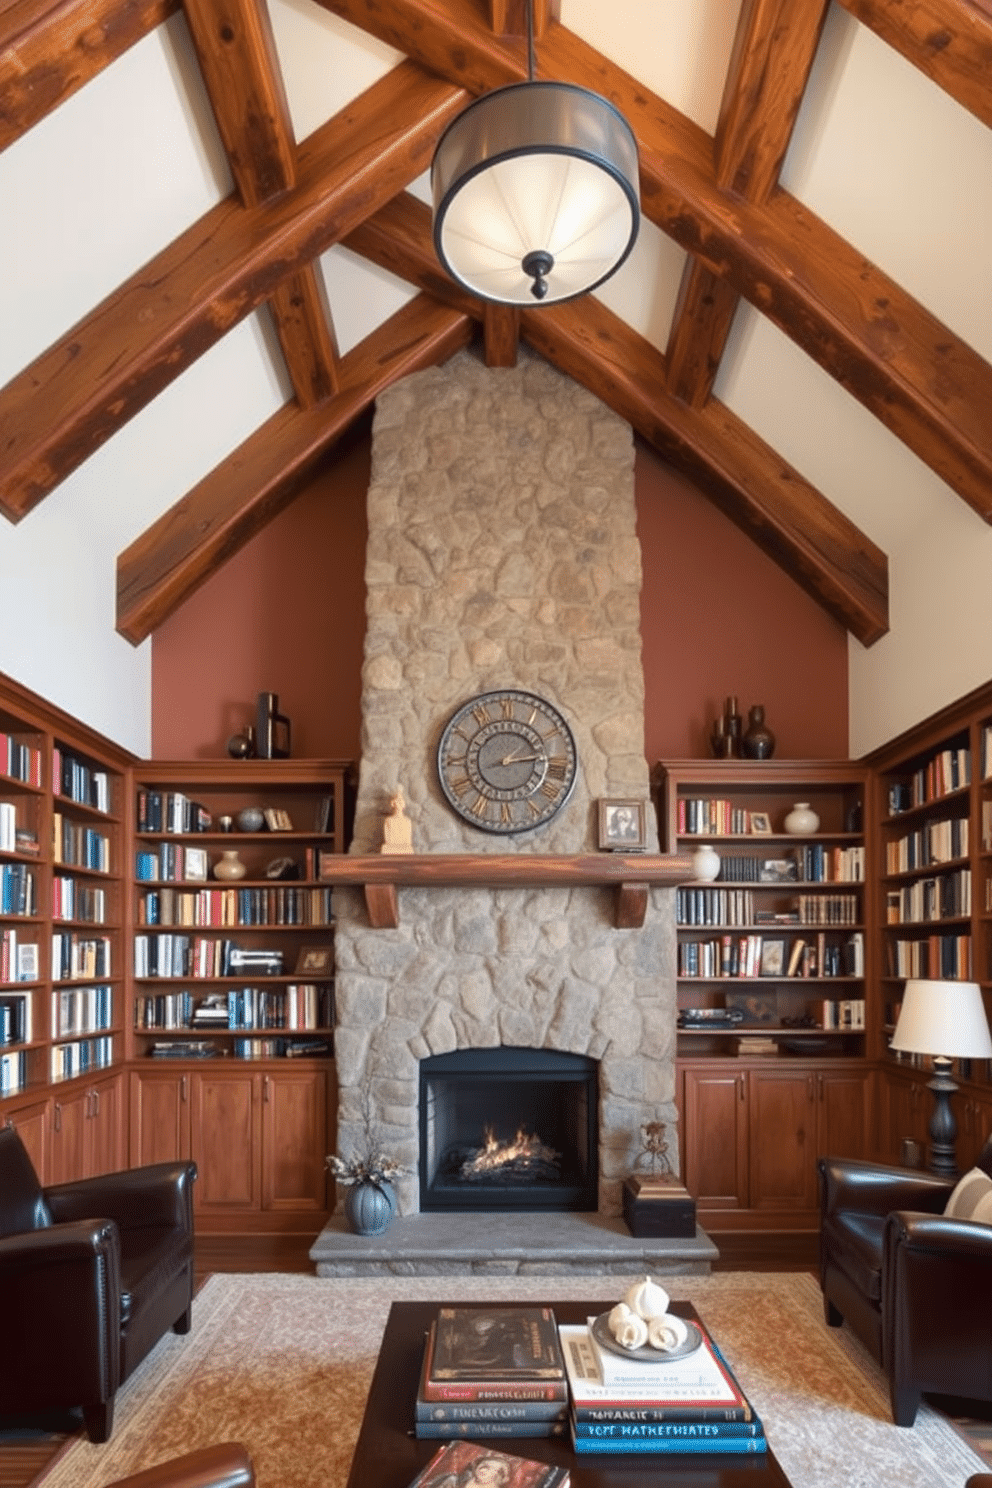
(229, 866)
(758, 741)
(802, 820)
(706, 863)
(369, 1206)
(251, 819)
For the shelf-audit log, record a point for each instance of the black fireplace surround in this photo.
(475, 1097)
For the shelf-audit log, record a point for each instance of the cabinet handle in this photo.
(819, 1083)
(182, 1088)
(96, 1102)
(740, 1087)
(265, 1089)
(58, 1116)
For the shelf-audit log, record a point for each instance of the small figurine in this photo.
(655, 1148)
(397, 828)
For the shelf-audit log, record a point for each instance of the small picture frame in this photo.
(195, 863)
(760, 824)
(315, 961)
(622, 826)
(778, 870)
(277, 820)
(772, 957)
(27, 963)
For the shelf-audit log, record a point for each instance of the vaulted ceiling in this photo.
(717, 196)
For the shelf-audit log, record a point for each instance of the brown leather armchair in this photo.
(92, 1275)
(914, 1286)
(226, 1465)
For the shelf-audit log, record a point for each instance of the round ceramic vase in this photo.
(369, 1207)
(229, 866)
(802, 820)
(706, 863)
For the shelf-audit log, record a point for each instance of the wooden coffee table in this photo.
(389, 1456)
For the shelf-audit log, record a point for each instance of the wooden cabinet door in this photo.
(105, 1140)
(783, 1140)
(843, 1111)
(974, 1118)
(33, 1126)
(294, 1140)
(70, 1119)
(226, 1140)
(716, 1145)
(909, 1106)
(160, 1126)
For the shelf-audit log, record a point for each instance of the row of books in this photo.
(18, 889)
(758, 956)
(172, 862)
(72, 900)
(77, 846)
(76, 958)
(18, 958)
(8, 826)
(79, 782)
(20, 761)
(720, 906)
(280, 904)
(514, 1372)
(70, 1060)
(299, 1006)
(171, 811)
(812, 863)
(940, 957)
(703, 816)
(81, 1011)
(253, 1048)
(15, 1019)
(175, 955)
(13, 1072)
(934, 842)
(944, 897)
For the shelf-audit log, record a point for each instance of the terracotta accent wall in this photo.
(719, 617)
(287, 615)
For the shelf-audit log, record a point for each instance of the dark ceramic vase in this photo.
(758, 741)
(369, 1207)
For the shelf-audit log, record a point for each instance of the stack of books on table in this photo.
(691, 1404)
(490, 1372)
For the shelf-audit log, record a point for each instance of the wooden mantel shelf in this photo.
(630, 875)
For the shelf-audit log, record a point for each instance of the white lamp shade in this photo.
(536, 168)
(945, 1019)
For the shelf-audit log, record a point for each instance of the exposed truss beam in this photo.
(501, 333)
(74, 396)
(818, 546)
(919, 379)
(189, 542)
(305, 329)
(704, 313)
(949, 40)
(48, 51)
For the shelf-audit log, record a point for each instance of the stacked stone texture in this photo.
(502, 552)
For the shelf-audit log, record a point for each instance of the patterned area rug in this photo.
(283, 1363)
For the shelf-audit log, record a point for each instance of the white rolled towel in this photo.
(629, 1330)
(667, 1333)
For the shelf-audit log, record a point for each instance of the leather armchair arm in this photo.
(88, 1242)
(158, 1196)
(943, 1240)
(225, 1465)
(849, 1184)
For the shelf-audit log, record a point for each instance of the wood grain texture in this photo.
(305, 328)
(501, 331)
(704, 313)
(48, 51)
(174, 556)
(76, 394)
(949, 40)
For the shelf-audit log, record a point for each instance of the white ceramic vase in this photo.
(802, 820)
(229, 866)
(706, 863)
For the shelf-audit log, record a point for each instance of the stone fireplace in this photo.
(502, 552)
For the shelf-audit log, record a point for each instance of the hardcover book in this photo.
(463, 1464)
(476, 1343)
(501, 1384)
(697, 1387)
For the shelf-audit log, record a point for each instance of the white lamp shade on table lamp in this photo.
(944, 1019)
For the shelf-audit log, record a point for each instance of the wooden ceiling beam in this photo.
(918, 378)
(228, 507)
(501, 335)
(75, 395)
(237, 54)
(509, 17)
(949, 40)
(789, 519)
(305, 328)
(704, 313)
(48, 51)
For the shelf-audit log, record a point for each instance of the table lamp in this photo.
(946, 1020)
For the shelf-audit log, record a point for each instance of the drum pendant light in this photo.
(535, 190)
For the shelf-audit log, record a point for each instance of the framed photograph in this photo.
(27, 963)
(277, 820)
(758, 1008)
(761, 824)
(622, 826)
(315, 961)
(778, 870)
(772, 957)
(195, 863)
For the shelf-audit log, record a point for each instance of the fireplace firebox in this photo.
(509, 1129)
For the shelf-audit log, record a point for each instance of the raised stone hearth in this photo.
(507, 1245)
(502, 552)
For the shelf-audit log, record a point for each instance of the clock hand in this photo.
(520, 759)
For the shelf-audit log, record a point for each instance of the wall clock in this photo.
(507, 761)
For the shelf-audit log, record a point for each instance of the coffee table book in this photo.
(699, 1387)
(454, 1464)
(498, 1353)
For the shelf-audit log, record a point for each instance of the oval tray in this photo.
(646, 1354)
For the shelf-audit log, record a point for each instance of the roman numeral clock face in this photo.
(506, 761)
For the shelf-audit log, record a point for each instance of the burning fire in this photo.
(524, 1152)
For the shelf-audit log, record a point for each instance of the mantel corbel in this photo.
(630, 875)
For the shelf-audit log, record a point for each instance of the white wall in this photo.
(134, 158)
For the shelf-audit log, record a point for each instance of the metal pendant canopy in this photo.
(536, 195)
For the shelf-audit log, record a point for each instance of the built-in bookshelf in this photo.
(233, 936)
(933, 908)
(771, 955)
(61, 931)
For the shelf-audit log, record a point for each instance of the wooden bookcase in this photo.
(232, 1026)
(931, 907)
(62, 973)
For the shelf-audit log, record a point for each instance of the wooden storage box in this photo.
(658, 1208)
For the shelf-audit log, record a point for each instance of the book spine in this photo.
(585, 1414)
(500, 1410)
(450, 1430)
(739, 1445)
(673, 1431)
(495, 1390)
